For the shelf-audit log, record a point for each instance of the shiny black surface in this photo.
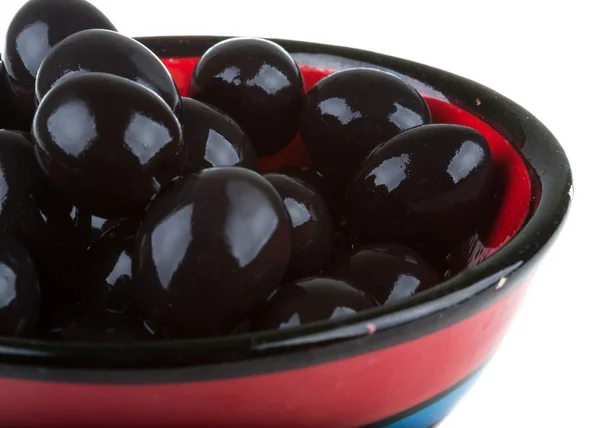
(309, 300)
(19, 289)
(211, 139)
(107, 143)
(460, 297)
(106, 51)
(425, 187)
(312, 226)
(106, 273)
(349, 113)
(255, 82)
(35, 29)
(98, 327)
(388, 272)
(210, 249)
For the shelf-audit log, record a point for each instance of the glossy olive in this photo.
(106, 51)
(211, 138)
(98, 327)
(258, 84)
(106, 281)
(312, 227)
(209, 249)
(310, 300)
(426, 188)
(107, 143)
(34, 30)
(348, 113)
(388, 272)
(19, 289)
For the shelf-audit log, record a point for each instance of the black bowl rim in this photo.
(455, 299)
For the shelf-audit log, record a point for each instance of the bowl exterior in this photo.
(412, 384)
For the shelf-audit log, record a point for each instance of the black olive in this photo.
(386, 271)
(312, 227)
(258, 84)
(210, 248)
(425, 187)
(106, 51)
(212, 139)
(34, 30)
(348, 113)
(107, 143)
(19, 289)
(310, 300)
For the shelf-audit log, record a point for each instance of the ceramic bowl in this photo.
(405, 365)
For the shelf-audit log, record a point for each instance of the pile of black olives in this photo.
(128, 212)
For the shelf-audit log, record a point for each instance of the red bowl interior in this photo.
(513, 191)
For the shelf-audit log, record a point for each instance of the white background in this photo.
(539, 53)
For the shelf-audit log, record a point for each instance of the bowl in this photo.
(404, 365)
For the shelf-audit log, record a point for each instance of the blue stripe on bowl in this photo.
(436, 411)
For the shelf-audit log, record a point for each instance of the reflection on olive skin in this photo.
(391, 172)
(116, 156)
(170, 242)
(19, 289)
(310, 300)
(270, 80)
(299, 212)
(211, 139)
(312, 226)
(210, 249)
(74, 124)
(35, 29)
(106, 51)
(257, 84)
(388, 272)
(349, 113)
(425, 187)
